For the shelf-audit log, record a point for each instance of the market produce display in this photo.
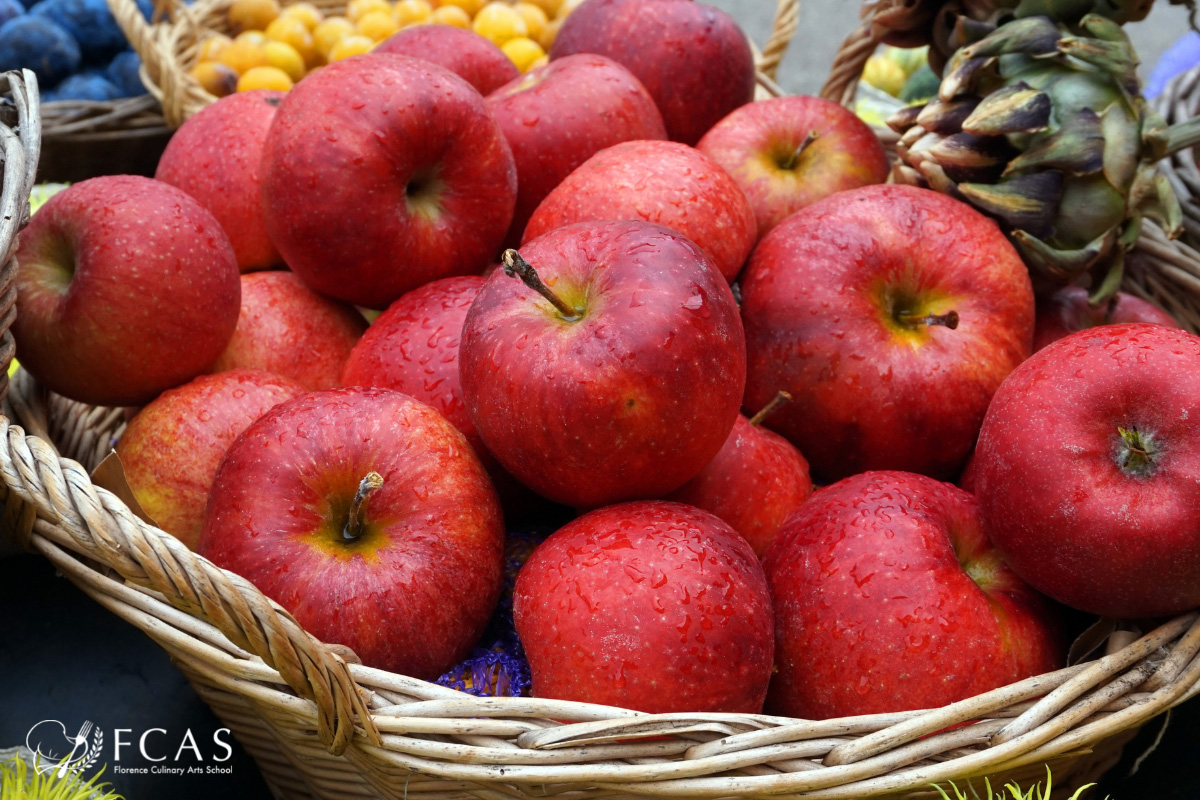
(74, 47)
(661, 346)
(273, 47)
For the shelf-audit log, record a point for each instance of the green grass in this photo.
(18, 782)
(1010, 792)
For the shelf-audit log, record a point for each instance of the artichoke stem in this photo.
(1183, 135)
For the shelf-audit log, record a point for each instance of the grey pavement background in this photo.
(825, 23)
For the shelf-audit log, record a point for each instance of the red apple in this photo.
(216, 157)
(755, 482)
(382, 173)
(1088, 470)
(668, 183)
(465, 53)
(693, 59)
(559, 115)
(1068, 310)
(628, 387)
(789, 152)
(127, 287)
(891, 314)
(889, 597)
(286, 328)
(367, 516)
(654, 606)
(412, 347)
(172, 447)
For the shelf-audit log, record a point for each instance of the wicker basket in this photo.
(20, 136)
(168, 50)
(321, 725)
(84, 139)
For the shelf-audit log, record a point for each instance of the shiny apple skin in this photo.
(216, 157)
(631, 400)
(559, 115)
(465, 53)
(286, 328)
(1068, 311)
(874, 612)
(654, 606)
(693, 59)
(819, 298)
(666, 183)
(431, 560)
(755, 145)
(128, 287)
(412, 347)
(755, 483)
(1057, 503)
(382, 173)
(172, 447)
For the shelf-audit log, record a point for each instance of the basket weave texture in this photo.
(321, 725)
(20, 137)
(84, 139)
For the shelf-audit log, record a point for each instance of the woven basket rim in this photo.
(229, 633)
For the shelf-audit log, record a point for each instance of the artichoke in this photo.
(1042, 126)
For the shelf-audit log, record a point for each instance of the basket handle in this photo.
(842, 84)
(102, 528)
(159, 78)
(787, 22)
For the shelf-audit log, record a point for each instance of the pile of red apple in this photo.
(357, 474)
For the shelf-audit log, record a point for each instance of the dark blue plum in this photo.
(90, 85)
(10, 9)
(123, 73)
(38, 44)
(90, 22)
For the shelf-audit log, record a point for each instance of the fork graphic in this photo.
(81, 739)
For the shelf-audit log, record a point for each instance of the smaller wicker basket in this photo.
(83, 139)
(168, 49)
(20, 136)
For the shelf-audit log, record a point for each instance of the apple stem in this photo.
(779, 401)
(947, 320)
(354, 525)
(515, 265)
(794, 159)
(1137, 451)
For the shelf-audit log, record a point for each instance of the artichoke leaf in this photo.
(1122, 144)
(1033, 36)
(1076, 148)
(1106, 287)
(1061, 265)
(947, 117)
(1013, 109)
(1027, 202)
